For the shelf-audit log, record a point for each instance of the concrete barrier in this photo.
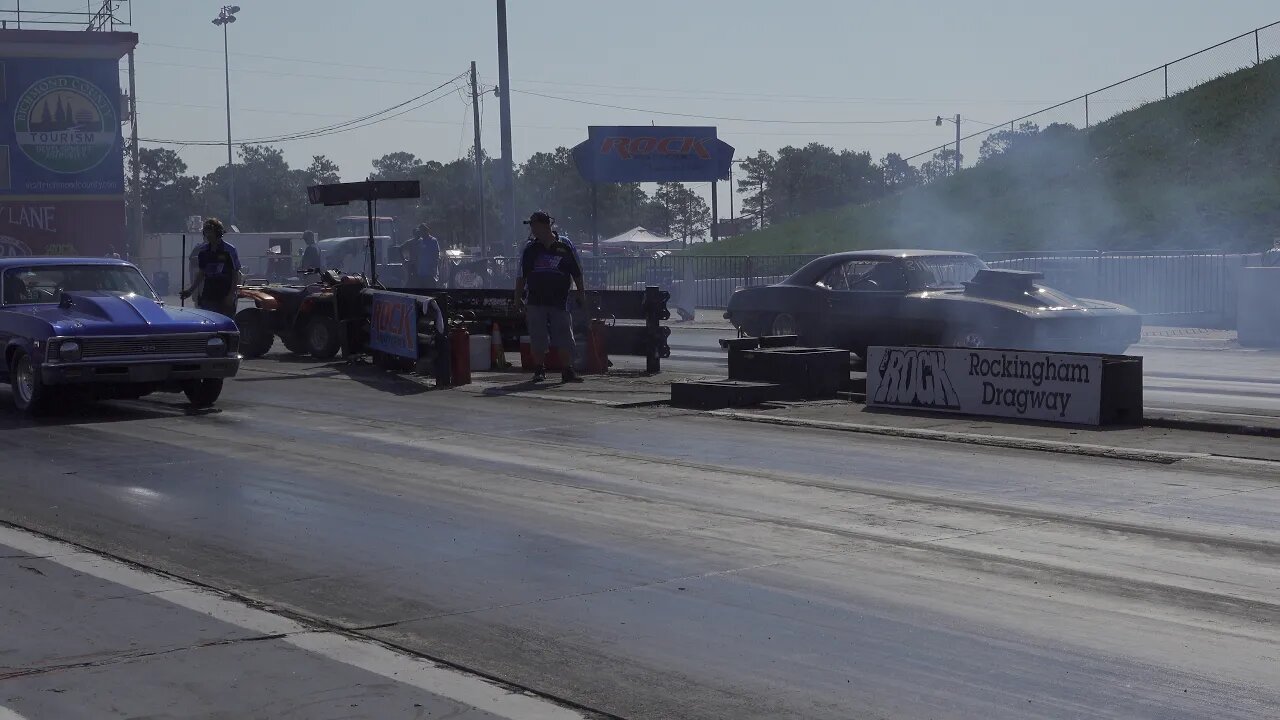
(1258, 312)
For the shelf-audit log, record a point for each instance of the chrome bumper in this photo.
(139, 371)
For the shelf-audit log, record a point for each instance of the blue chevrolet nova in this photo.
(94, 328)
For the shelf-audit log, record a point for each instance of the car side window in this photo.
(864, 275)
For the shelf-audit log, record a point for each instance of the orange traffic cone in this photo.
(497, 354)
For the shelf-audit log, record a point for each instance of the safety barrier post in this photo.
(654, 313)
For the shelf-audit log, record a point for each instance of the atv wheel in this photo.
(323, 337)
(293, 342)
(255, 336)
(202, 393)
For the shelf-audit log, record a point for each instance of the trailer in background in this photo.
(263, 256)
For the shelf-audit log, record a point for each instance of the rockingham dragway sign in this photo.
(1051, 387)
(645, 153)
(393, 326)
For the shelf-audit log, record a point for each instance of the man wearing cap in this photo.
(547, 267)
(423, 256)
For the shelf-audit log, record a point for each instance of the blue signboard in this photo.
(644, 153)
(393, 329)
(60, 129)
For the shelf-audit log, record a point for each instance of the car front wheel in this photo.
(203, 393)
(29, 392)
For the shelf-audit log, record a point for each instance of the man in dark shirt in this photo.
(217, 272)
(311, 255)
(547, 267)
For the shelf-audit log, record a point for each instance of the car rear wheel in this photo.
(202, 393)
(256, 338)
(968, 338)
(783, 324)
(29, 392)
(324, 337)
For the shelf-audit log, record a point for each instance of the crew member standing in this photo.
(217, 272)
(423, 257)
(311, 255)
(547, 268)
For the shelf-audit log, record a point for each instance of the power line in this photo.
(298, 60)
(721, 117)
(696, 93)
(348, 125)
(277, 73)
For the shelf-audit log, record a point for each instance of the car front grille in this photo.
(106, 347)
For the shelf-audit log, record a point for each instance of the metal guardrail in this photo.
(1176, 286)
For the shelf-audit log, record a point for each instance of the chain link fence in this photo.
(1159, 83)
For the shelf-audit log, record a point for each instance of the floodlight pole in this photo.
(508, 224)
(225, 18)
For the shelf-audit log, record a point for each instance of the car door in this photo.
(864, 301)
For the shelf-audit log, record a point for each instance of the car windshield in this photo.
(942, 271)
(45, 283)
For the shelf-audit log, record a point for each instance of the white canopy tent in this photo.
(638, 237)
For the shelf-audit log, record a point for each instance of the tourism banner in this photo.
(60, 129)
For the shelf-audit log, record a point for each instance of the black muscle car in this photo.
(926, 297)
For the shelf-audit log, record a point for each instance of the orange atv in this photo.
(304, 317)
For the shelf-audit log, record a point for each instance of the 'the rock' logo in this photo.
(65, 124)
(916, 378)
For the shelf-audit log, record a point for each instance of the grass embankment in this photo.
(1199, 170)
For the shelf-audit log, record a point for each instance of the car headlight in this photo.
(68, 351)
(216, 347)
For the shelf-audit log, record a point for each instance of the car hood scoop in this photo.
(123, 309)
(1016, 286)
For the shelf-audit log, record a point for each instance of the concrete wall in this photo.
(1258, 313)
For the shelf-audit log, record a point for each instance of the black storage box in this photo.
(816, 373)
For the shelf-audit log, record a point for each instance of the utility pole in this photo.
(715, 214)
(508, 225)
(957, 143)
(475, 121)
(137, 168)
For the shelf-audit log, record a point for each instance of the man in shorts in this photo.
(547, 267)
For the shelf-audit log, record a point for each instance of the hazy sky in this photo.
(302, 64)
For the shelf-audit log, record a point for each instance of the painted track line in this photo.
(490, 696)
